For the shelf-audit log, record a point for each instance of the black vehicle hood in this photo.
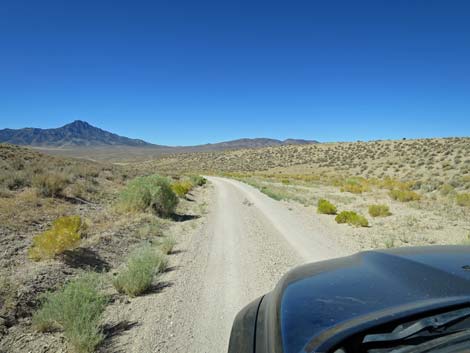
(315, 301)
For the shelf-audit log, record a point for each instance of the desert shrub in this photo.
(326, 207)
(16, 180)
(404, 195)
(352, 218)
(78, 190)
(84, 189)
(18, 164)
(355, 186)
(379, 210)
(391, 184)
(164, 200)
(198, 180)
(446, 189)
(140, 270)
(463, 199)
(167, 244)
(65, 234)
(150, 192)
(430, 185)
(137, 196)
(5, 192)
(50, 184)
(181, 188)
(150, 229)
(390, 242)
(76, 309)
(275, 195)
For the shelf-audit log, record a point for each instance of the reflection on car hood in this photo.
(318, 297)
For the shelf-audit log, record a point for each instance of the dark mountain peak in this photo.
(79, 124)
(77, 133)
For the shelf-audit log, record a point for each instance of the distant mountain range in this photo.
(78, 133)
(249, 143)
(81, 134)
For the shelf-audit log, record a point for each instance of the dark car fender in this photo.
(242, 337)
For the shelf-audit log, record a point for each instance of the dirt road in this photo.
(246, 244)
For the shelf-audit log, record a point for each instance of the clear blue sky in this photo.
(189, 72)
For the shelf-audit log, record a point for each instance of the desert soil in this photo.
(237, 252)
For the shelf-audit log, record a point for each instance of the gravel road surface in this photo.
(247, 242)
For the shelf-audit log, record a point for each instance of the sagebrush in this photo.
(149, 193)
(198, 180)
(141, 267)
(76, 309)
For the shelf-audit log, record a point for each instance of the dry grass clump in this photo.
(326, 207)
(269, 191)
(15, 180)
(352, 218)
(65, 234)
(274, 194)
(152, 228)
(26, 207)
(8, 289)
(76, 309)
(355, 186)
(446, 189)
(379, 210)
(50, 184)
(167, 244)
(141, 267)
(463, 199)
(392, 184)
(404, 195)
(151, 192)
